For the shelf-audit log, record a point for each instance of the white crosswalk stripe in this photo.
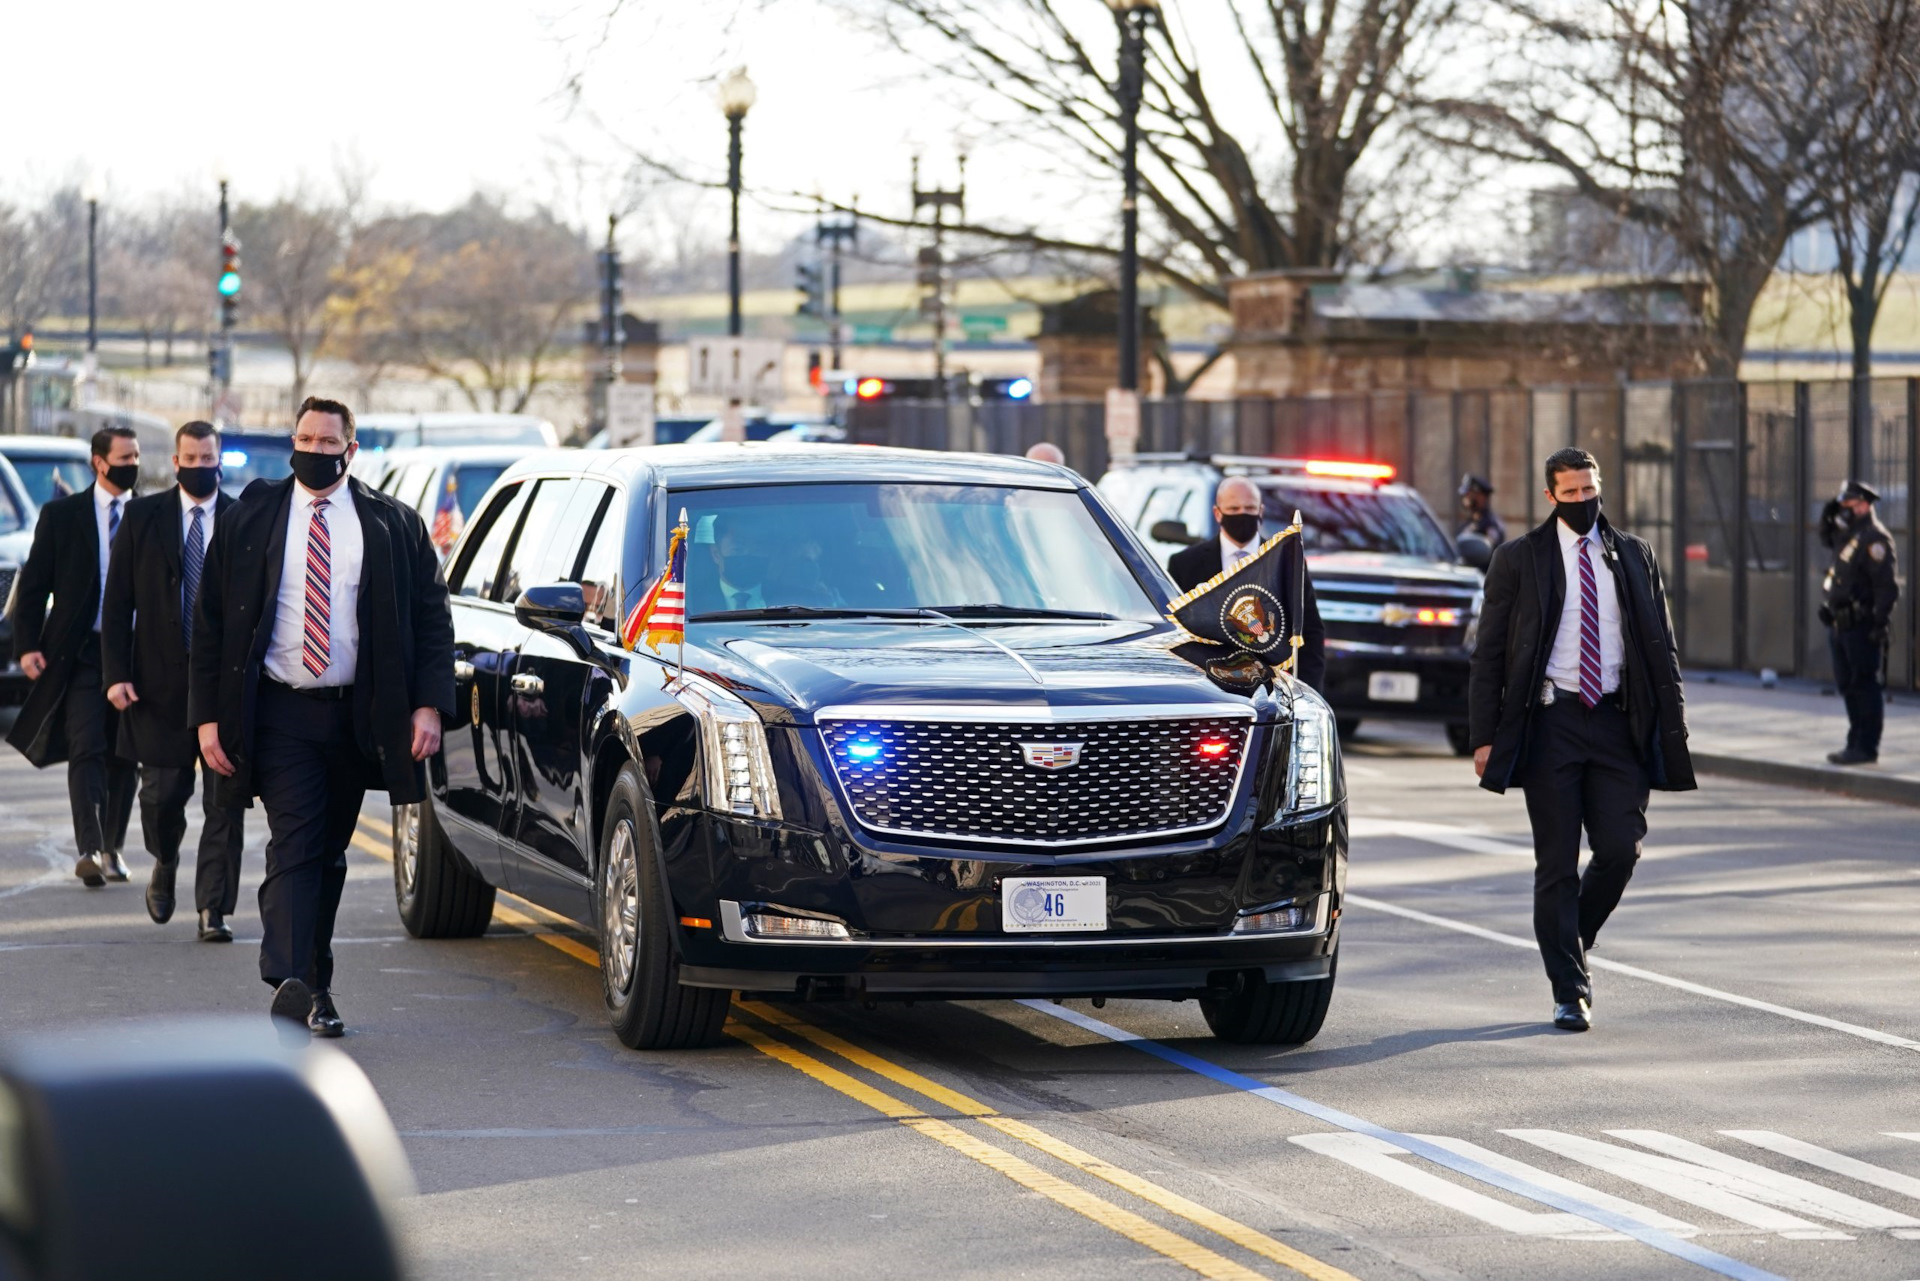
(1761, 1183)
(1620, 1205)
(1837, 1163)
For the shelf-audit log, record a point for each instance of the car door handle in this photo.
(462, 670)
(523, 683)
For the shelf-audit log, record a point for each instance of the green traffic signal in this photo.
(229, 283)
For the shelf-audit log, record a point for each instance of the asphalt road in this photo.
(1746, 1105)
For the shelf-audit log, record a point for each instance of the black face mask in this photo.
(1579, 515)
(123, 476)
(317, 471)
(745, 571)
(1241, 527)
(199, 482)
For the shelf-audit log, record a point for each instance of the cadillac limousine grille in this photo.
(1047, 783)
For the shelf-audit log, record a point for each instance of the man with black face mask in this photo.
(146, 634)
(66, 716)
(1575, 694)
(322, 666)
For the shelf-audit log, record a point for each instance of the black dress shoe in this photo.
(213, 928)
(1852, 756)
(1572, 1016)
(160, 892)
(292, 1002)
(323, 1020)
(114, 867)
(89, 871)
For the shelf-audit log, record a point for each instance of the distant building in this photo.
(1570, 232)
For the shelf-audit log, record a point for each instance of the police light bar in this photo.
(1349, 471)
(869, 388)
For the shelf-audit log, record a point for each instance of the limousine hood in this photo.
(793, 670)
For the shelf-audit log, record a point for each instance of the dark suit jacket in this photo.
(140, 634)
(1526, 590)
(406, 634)
(64, 564)
(1192, 566)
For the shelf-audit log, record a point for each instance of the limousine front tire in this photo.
(647, 1004)
(438, 898)
(1263, 1013)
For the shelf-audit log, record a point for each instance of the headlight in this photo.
(1313, 779)
(733, 750)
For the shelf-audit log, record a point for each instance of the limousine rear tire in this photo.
(437, 896)
(648, 1005)
(1264, 1013)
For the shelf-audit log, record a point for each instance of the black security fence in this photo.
(1726, 479)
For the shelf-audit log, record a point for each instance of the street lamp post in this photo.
(737, 95)
(1134, 17)
(90, 192)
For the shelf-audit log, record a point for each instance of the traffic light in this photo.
(228, 285)
(811, 281)
(16, 356)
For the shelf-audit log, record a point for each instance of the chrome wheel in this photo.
(406, 847)
(620, 909)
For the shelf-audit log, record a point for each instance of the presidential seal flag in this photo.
(661, 614)
(1258, 608)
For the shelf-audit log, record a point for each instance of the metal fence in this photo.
(1726, 479)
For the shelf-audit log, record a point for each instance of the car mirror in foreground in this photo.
(1474, 549)
(117, 1117)
(1172, 531)
(553, 607)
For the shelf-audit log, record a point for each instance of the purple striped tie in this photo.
(319, 629)
(1589, 628)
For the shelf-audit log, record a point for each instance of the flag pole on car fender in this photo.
(1298, 605)
(687, 573)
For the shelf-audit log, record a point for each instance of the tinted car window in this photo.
(49, 478)
(1168, 502)
(13, 512)
(535, 556)
(600, 574)
(245, 459)
(902, 546)
(471, 481)
(1358, 521)
(480, 562)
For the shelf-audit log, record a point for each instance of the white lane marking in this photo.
(1792, 1193)
(1634, 971)
(1837, 1162)
(1601, 1216)
(1520, 1169)
(1367, 827)
(1381, 1159)
(1753, 1205)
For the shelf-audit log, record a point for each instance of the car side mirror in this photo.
(1474, 549)
(116, 1116)
(551, 607)
(1172, 531)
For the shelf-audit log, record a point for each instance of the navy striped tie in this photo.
(113, 521)
(1590, 691)
(196, 558)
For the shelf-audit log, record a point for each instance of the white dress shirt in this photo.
(290, 610)
(1563, 661)
(1232, 553)
(187, 503)
(103, 502)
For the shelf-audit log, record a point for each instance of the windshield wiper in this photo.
(994, 609)
(797, 611)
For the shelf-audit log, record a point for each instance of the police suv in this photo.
(1400, 601)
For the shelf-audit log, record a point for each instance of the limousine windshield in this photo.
(980, 549)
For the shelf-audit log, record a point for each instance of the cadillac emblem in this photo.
(1051, 755)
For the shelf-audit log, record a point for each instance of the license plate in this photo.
(1393, 687)
(1053, 904)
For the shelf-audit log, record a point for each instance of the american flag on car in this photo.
(661, 614)
(447, 518)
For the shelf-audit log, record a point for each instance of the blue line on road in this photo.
(1639, 1231)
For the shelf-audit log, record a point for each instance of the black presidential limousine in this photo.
(932, 738)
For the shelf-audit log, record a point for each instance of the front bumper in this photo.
(1442, 675)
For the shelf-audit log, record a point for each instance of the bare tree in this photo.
(149, 278)
(1709, 121)
(291, 253)
(42, 259)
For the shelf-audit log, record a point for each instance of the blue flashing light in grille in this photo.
(863, 752)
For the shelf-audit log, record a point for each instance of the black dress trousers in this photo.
(1856, 674)
(1582, 773)
(311, 778)
(100, 784)
(164, 793)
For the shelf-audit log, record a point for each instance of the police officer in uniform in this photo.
(1476, 511)
(1858, 597)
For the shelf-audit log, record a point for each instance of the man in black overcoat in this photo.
(1575, 694)
(153, 585)
(56, 639)
(321, 667)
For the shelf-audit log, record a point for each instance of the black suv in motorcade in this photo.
(931, 737)
(1399, 599)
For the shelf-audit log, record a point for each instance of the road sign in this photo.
(630, 414)
(744, 369)
(872, 333)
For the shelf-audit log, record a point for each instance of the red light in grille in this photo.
(1214, 749)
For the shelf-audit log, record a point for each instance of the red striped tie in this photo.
(319, 630)
(1589, 628)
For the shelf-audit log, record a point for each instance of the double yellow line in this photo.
(542, 924)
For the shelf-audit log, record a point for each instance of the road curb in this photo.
(1861, 784)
